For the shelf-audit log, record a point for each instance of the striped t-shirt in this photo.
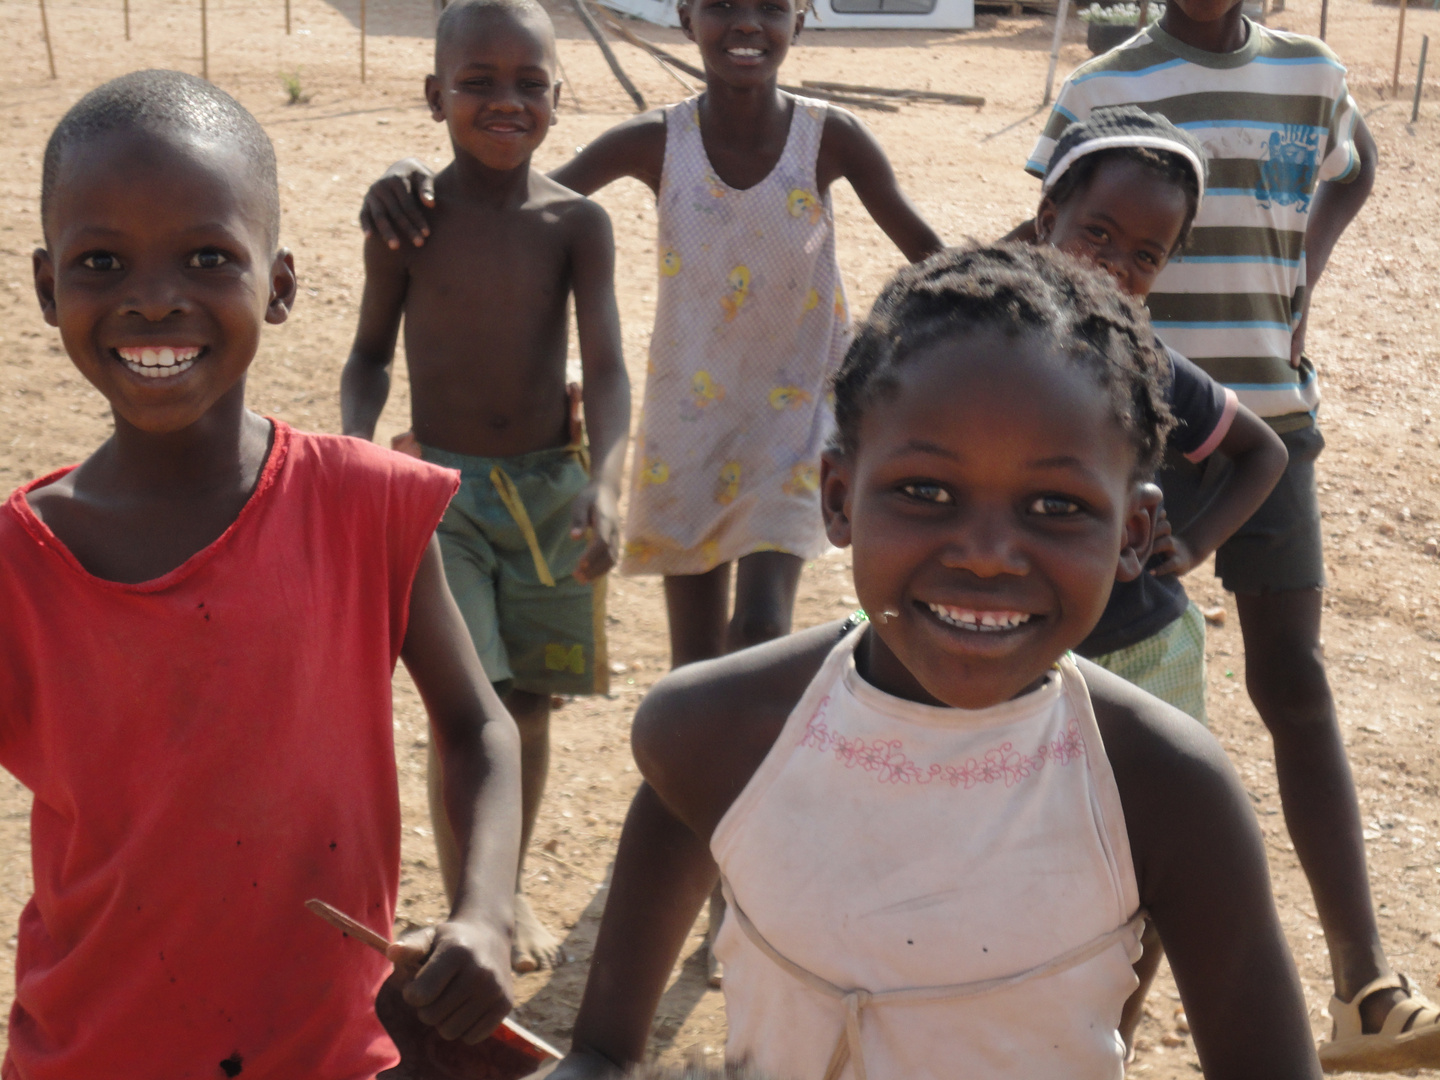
(1275, 119)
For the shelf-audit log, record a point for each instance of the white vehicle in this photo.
(839, 14)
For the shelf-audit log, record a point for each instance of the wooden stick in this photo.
(45, 29)
(1420, 79)
(634, 39)
(127, 20)
(381, 944)
(362, 40)
(359, 931)
(204, 42)
(908, 95)
(615, 69)
(1399, 48)
(1324, 15)
(1140, 19)
(287, 16)
(1060, 12)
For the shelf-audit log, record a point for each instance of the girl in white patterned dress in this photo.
(751, 322)
(938, 830)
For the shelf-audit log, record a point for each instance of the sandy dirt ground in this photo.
(1375, 332)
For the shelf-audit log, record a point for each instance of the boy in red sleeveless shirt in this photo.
(200, 626)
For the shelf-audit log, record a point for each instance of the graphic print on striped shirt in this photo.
(1276, 119)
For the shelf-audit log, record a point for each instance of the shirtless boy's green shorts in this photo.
(510, 563)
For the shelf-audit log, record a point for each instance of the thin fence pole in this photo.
(287, 16)
(362, 40)
(1324, 17)
(45, 29)
(1420, 79)
(1061, 10)
(127, 20)
(204, 42)
(1399, 48)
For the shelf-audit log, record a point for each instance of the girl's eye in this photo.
(100, 260)
(1097, 234)
(1146, 258)
(927, 492)
(207, 259)
(1054, 506)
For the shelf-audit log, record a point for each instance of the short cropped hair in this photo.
(1018, 289)
(457, 11)
(165, 101)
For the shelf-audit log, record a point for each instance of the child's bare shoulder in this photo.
(704, 729)
(563, 208)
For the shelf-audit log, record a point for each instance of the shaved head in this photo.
(461, 14)
(168, 104)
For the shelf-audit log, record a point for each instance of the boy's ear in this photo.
(1139, 532)
(836, 478)
(799, 24)
(683, 11)
(283, 286)
(45, 284)
(1045, 219)
(434, 98)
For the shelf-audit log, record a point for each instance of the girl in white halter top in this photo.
(939, 833)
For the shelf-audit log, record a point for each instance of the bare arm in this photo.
(699, 736)
(1334, 207)
(464, 987)
(394, 207)
(635, 148)
(365, 381)
(849, 150)
(606, 390)
(1200, 865)
(1260, 458)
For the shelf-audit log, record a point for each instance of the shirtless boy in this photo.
(532, 532)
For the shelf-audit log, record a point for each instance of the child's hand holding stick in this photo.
(431, 995)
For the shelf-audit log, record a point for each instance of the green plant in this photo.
(294, 92)
(1120, 14)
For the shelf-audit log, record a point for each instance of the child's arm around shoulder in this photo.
(606, 384)
(1201, 869)
(634, 148)
(849, 150)
(464, 989)
(698, 738)
(365, 380)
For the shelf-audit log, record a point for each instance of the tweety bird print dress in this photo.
(751, 323)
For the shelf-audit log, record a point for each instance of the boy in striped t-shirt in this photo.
(1290, 165)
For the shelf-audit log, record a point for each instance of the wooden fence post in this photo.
(45, 29)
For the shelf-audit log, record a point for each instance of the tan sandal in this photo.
(1409, 1038)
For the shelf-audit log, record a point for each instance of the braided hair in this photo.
(1017, 289)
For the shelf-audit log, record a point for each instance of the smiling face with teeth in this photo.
(742, 42)
(991, 504)
(159, 271)
(494, 85)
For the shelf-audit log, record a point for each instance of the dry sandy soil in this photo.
(1376, 332)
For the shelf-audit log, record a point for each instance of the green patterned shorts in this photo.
(1170, 664)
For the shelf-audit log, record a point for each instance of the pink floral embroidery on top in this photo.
(887, 761)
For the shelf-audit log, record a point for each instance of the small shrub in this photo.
(295, 93)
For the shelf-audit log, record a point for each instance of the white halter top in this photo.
(921, 892)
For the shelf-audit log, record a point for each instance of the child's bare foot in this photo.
(535, 947)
